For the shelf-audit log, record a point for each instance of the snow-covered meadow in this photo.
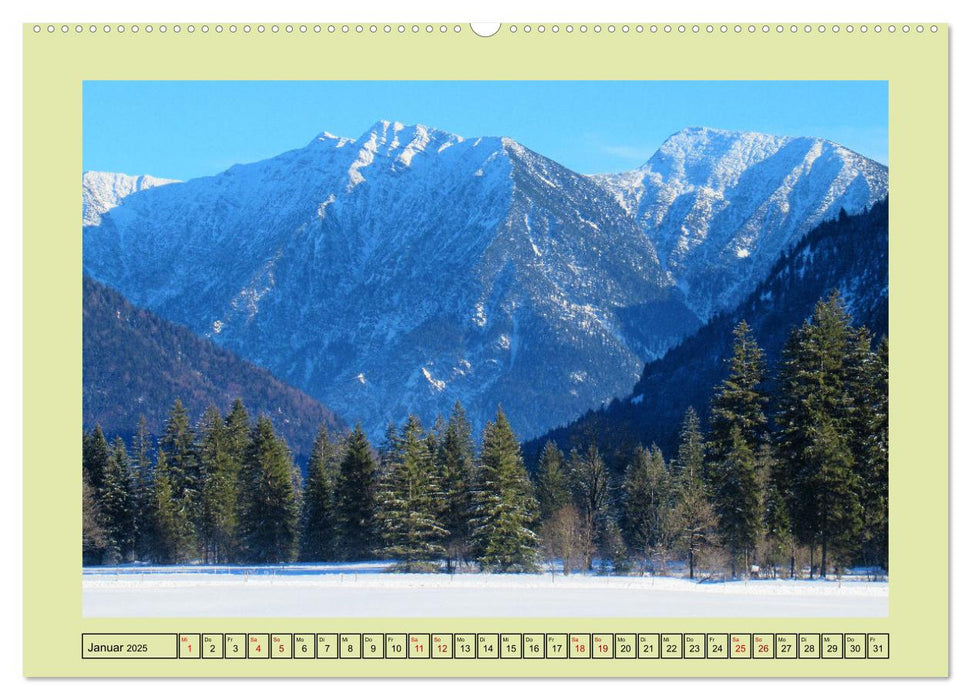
(367, 590)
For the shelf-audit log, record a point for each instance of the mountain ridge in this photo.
(409, 268)
(135, 363)
(102, 191)
(707, 197)
(335, 267)
(849, 254)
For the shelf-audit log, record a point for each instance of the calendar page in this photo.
(604, 349)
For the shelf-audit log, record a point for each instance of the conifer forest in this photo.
(783, 472)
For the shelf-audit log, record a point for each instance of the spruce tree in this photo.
(552, 481)
(694, 517)
(434, 437)
(777, 526)
(356, 509)
(739, 401)
(815, 425)
(269, 526)
(738, 429)
(456, 463)
(647, 502)
(95, 454)
(238, 427)
(390, 447)
(106, 472)
(875, 476)
(836, 493)
(170, 540)
(319, 519)
(140, 480)
(503, 503)
(178, 441)
(408, 502)
(690, 464)
(93, 539)
(115, 501)
(738, 498)
(868, 388)
(220, 473)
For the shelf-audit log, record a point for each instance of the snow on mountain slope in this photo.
(849, 254)
(402, 271)
(721, 206)
(103, 191)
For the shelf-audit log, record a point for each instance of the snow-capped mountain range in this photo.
(721, 206)
(409, 268)
(104, 191)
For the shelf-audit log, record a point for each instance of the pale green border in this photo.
(915, 66)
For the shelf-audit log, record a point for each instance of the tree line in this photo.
(790, 474)
(787, 467)
(227, 491)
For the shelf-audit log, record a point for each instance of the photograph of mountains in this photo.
(415, 351)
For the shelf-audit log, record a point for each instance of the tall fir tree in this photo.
(319, 519)
(456, 462)
(95, 454)
(170, 534)
(93, 538)
(690, 464)
(179, 443)
(815, 422)
(778, 541)
(116, 506)
(694, 517)
(238, 431)
(552, 481)
(269, 527)
(220, 489)
(875, 475)
(409, 495)
(105, 470)
(356, 508)
(434, 437)
(390, 447)
(832, 491)
(503, 503)
(868, 387)
(141, 476)
(738, 429)
(739, 401)
(647, 503)
(738, 499)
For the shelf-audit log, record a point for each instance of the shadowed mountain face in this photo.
(137, 364)
(849, 255)
(410, 268)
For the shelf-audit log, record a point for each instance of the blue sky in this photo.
(189, 129)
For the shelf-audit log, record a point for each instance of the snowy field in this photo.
(362, 590)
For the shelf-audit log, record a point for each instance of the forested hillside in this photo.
(137, 364)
